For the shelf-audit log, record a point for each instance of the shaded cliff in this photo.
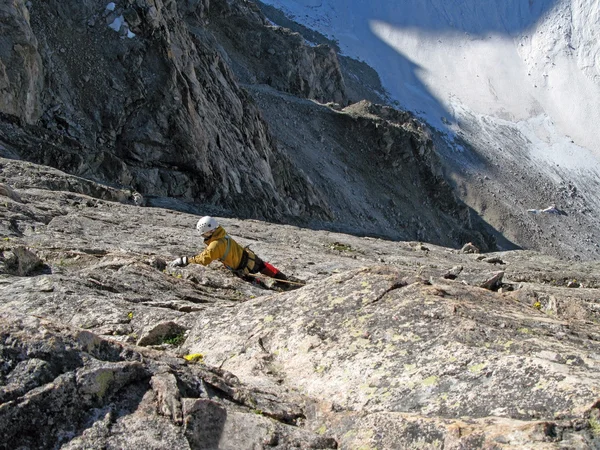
(157, 110)
(142, 95)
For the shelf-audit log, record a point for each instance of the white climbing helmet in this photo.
(207, 225)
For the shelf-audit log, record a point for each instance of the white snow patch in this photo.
(272, 24)
(116, 24)
(549, 210)
(111, 6)
(550, 145)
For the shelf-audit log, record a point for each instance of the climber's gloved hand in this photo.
(179, 262)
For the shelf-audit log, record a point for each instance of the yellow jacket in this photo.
(217, 248)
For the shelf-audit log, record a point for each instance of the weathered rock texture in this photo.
(143, 97)
(360, 80)
(273, 55)
(67, 388)
(21, 75)
(378, 167)
(159, 112)
(389, 345)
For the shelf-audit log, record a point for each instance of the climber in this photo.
(219, 245)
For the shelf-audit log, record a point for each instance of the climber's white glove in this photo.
(179, 262)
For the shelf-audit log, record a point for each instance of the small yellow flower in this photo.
(537, 305)
(130, 315)
(194, 357)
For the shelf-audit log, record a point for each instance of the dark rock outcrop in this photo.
(361, 81)
(158, 111)
(21, 71)
(377, 167)
(141, 97)
(273, 55)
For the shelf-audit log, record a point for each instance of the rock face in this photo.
(66, 387)
(144, 97)
(389, 345)
(273, 55)
(21, 72)
(378, 168)
(120, 123)
(155, 109)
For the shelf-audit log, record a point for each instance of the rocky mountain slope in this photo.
(389, 345)
(158, 111)
(512, 88)
(121, 122)
(153, 105)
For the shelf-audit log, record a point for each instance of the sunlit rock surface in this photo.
(389, 345)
